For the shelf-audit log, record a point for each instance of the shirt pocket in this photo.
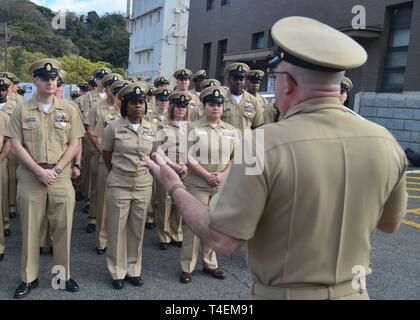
(61, 130)
(31, 134)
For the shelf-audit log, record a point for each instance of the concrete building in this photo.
(387, 88)
(158, 40)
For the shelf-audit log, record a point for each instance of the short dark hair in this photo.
(124, 106)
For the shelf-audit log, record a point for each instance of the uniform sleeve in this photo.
(99, 128)
(108, 139)
(76, 131)
(3, 123)
(395, 207)
(84, 103)
(14, 127)
(236, 211)
(91, 118)
(259, 115)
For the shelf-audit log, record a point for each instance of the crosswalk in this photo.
(413, 189)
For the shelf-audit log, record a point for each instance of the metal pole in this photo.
(5, 47)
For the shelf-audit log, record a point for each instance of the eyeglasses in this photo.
(274, 74)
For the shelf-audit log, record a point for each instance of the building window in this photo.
(221, 51)
(399, 39)
(210, 5)
(141, 23)
(150, 19)
(158, 17)
(207, 57)
(258, 41)
(225, 2)
(271, 43)
(139, 57)
(148, 56)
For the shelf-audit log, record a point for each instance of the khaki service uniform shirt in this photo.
(327, 179)
(262, 102)
(271, 113)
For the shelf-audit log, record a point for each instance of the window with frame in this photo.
(225, 2)
(396, 56)
(206, 57)
(210, 5)
(258, 41)
(221, 51)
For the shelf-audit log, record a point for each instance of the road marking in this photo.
(413, 178)
(413, 172)
(414, 197)
(414, 211)
(411, 223)
(415, 183)
(413, 189)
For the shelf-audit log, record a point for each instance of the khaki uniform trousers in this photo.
(36, 201)
(168, 218)
(86, 170)
(12, 165)
(45, 234)
(93, 195)
(342, 291)
(101, 213)
(151, 212)
(127, 201)
(192, 244)
(4, 200)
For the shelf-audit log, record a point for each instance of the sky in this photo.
(83, 6)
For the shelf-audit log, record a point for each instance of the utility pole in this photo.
(5, 46)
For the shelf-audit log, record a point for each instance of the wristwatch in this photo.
(57, 170)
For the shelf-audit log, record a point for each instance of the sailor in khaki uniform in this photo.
(321, 193)
(113, 84)
(168, 218)
(126, 143)
(183, 81)
(45, 137)
(271, 113)
(198, 79)
(151, 100)
(211, 83)
(252, 85)
(242, 109)
(211, 147)
(162, 82)
(8, 165)
(15, 87)
(346, 87)
(4, 172)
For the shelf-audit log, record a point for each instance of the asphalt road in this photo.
(395, 263)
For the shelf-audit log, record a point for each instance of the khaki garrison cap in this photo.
(117, 86)
(101, 72)
(201, 74)
(211, 83)
(255, 75)
(183, 74)
(162, 81)
(5, 82)
(163, 94)
(346, 84)
(237, 69)
(11, 76)
(45, 67)
(311, 44)
(134, 91)
(111, 78)
(180, 98)
(213, 94)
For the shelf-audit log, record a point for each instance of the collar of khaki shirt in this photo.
(143, 124)
(205, 123)
(313, 105)
(34, 104)
(245, 98)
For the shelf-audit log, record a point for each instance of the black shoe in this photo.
(1, 257)
(118, 284)
(135, 281)
(79, 196)
(25, 288)
(177, 244)
(7, 233)
(215, 273)
(163, 246)
(72, 286)
(100, 251)
(12, 215)
(150, 226)
(91, 228)
(186, 277)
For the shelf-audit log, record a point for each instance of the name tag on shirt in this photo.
(201, 133)
(31, 120)
(249, 108)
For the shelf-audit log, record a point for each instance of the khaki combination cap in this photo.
(45, 67)
(255, 75)
(311, 44)
(180, 98)
(347, 84)
(151, 91)
(162, 81)
(213, 94)
(101, 73)
(211, 83)
(163, 94)
(237, 69)
(183, 74)
(61, 77)
(111, 78)
(84, 86)
(117, 86)
(11, 76)
(201, 74)
(134, 91)
(5, 82)
(131, 79)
